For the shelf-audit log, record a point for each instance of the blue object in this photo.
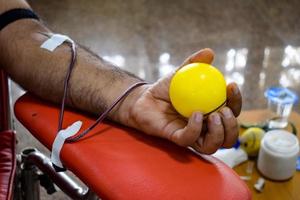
(281, 95)
(298, 164)
(237, 144)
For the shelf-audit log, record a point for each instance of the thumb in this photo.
(204, 56)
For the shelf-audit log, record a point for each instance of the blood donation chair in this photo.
(113, 161)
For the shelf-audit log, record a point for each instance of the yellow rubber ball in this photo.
(197, 87)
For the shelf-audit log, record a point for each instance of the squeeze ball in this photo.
(197, 87)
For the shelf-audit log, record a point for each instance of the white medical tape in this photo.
(54, 41)
(59, 141)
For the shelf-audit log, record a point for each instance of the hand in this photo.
(152, 112)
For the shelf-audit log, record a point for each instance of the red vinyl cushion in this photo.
(120, 163)
(7, 164)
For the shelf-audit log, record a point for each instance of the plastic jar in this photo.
(278, 155)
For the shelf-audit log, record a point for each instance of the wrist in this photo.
(122, 113)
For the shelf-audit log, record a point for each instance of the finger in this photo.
(190, 133)
(234, 98)
(230, 127)
(214, 138)
(204, 56)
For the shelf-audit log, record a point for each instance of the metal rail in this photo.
(32, 160)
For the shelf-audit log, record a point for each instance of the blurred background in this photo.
(257, 42)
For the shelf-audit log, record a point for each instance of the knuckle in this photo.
(212, 146)
(184, 143)
(209, 150)
(229, 143)
(217, 143)
(231, 139)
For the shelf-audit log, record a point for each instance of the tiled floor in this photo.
(257, 42)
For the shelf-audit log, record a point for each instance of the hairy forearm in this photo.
(94, 83)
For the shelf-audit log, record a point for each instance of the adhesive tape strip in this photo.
(54, 41)
(59, 141)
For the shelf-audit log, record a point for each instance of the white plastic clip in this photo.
(59, 141)
(54, 41)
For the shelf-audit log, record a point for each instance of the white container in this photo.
(278, 155)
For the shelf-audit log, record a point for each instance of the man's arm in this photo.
(95, 84)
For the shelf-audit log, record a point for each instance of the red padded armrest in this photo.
(7, 164)
(120, 163)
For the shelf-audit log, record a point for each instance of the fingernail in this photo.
(235, 89)
(216, 119)
(198, 117)
(227, 113)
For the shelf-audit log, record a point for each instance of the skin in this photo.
(95, 84)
